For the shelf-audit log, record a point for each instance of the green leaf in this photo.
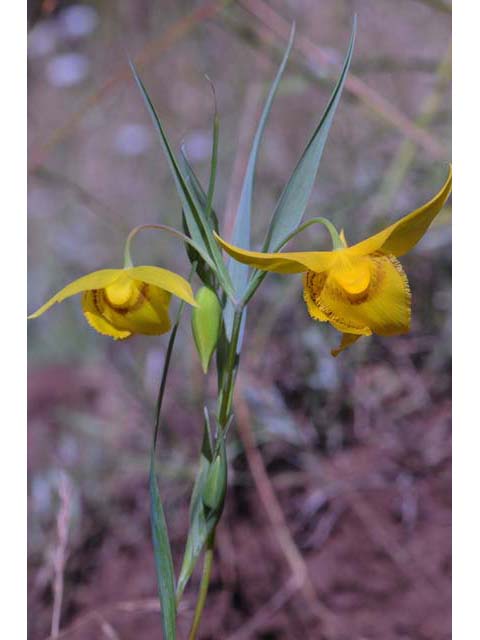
(204, 272)
(198, 226)
(206, 504)
(198, 531)
(294, 199)
(163, 558)
(207, 442)
(241, 232)
(196, 187)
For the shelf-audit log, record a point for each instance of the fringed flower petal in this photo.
(361, 296)
(97, 321)
(145, 311)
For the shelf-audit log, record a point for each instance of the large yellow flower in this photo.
(360, 289)
(121, 302)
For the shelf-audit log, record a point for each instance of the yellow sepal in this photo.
(96, 280)
(164, 279)
(403, 235)
(293, 262)
(347, 340)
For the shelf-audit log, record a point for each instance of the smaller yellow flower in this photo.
(121, 302)
(360, 289)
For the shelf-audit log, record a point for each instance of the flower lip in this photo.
(122, 293)
(354, 279)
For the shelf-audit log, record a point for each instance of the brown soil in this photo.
(371, 521)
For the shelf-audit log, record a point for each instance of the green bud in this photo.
(215, 485)
(206, 324)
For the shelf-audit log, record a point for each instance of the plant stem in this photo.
(227, 386)
(202, 595)
(223, 419)
(127, 258)
(163, 383)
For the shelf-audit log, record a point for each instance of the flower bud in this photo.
(216, 484)
(206, 324)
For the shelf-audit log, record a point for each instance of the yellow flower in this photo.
(361, 289)
(121, 302)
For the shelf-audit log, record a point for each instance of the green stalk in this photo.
(202, 595)
(225, 404)
(127, 257)
(223, 420)
(228, 386)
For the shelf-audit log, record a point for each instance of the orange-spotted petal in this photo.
(145, 311)
(97, 321)
(361, 295)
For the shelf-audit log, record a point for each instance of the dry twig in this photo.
(150, 52)
(276, 602)
(354, 85)
(298, 567)
(145, 605)
(60, 552)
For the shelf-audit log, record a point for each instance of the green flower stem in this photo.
(202, 595)
(225, 406)
(163, 382)
(224, 415)
(127, 258)
(230, 370)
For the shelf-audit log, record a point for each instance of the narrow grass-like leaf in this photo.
(200, 527)
(294, 199)
(163, 558)
(206, 503)
(196, 187)
(214, 155)
(205, 274)
(198, 226)
(241, 230)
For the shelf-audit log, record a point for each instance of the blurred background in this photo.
(337, 521)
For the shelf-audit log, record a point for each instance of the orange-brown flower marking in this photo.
(361, 289)
(121, 302)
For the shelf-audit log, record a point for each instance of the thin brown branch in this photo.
(60, 553)
(107, 629)
(276, 602)
(316, 56)
(149, 53)
(144, 605)
(292, 555)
